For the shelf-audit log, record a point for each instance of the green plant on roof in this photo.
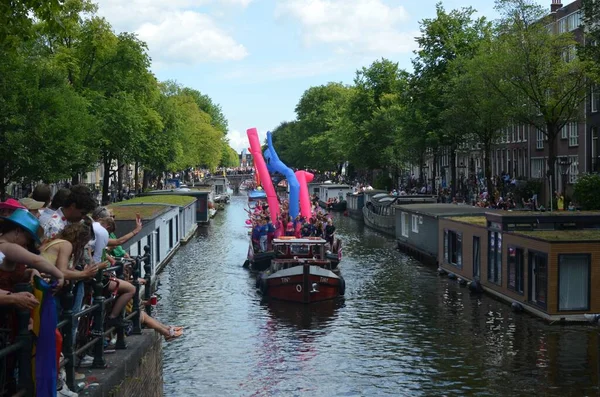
(128, 212)
(474, 220)
(161, 199)
(562, 235)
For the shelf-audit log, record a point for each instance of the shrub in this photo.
(585, 192)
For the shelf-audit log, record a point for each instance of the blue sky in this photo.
(256, 57)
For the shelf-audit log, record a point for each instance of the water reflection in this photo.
(400, 330)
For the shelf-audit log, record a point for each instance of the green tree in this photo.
(229, 157)
(445, 38)
(536, 70)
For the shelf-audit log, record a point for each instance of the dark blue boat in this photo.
(255, 195)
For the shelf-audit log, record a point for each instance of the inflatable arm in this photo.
(304, 178)
(263, 172)
(278, 166)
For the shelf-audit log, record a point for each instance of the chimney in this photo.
(555, 6)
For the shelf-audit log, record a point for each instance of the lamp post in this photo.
(564, 164)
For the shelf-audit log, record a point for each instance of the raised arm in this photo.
(114, 242)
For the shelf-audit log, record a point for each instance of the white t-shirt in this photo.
(100, 243)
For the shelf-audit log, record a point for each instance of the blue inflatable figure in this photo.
(276, 165)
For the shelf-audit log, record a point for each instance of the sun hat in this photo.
(11, 204)
(31, 204)
(25, 220)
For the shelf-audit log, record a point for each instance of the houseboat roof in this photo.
(565, 236)
(443, 210)
(314, 240)
(332, 186)
(178, 200)
(128, 212)
(478, 220)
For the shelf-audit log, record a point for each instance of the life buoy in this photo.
(342, 286)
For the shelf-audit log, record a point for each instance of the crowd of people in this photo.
(265, 229)
(65, 239)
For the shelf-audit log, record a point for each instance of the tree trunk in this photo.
(552, 135)
(434, 171)
(2, 181)
(106, 181)
(121, 170)
(146, 180)
(487, 148)
(136, 177)
(452, 162)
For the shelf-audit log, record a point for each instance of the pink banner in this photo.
(304, 178)
(263, 172)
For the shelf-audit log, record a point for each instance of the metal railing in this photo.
(21, 348)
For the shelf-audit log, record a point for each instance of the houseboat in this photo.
(333, 197)
(168, 222)
(355, 203)
(301, 272)
(379, 211)
(202, 194)
(540, 262)
(417, 227)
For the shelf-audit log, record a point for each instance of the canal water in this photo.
(401, 330)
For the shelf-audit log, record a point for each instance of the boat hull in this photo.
(337, 207)
(259, 261)
(303, 283)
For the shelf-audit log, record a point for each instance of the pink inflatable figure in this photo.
(263, 172)
(304, 178)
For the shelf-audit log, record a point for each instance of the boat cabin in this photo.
(290, 252)
(330, 191)
(306, 247)
(543, 262)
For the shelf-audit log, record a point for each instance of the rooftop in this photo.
(128, 212)
(444, 210)
(478, 220)
(179, 200)
(562, 235)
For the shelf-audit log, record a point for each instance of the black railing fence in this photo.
(16, 356)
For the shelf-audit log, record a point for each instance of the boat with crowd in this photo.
(301, 272)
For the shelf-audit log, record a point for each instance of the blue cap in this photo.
(26, 221)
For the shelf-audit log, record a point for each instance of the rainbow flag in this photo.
(44, 361)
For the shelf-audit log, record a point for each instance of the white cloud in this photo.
(239, 140)
(357, 26)
(176, 32)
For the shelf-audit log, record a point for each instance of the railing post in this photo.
(98, 330)
(68, 347)
(148, 278)
(137, 324)
(25, 380)
(121, 345)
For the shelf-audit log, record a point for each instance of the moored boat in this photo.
(301, 272)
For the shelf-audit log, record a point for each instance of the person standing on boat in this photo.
(329, 231)
(256, 236)
(263, 232)
(270, 232)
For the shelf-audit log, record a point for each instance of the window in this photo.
(525, 132)
(516, 269)
(476, 257)
(171, 234)
(562, 25)
(569, 54)
(453, 248)
(573, 169)
(538, 168)
(539, 143)
(415, 224)
(564, 131)
(574, 20)
(404, 221)
(495, 258)
(573, 135)
(574, 282)
(595, 98)
(538, 278)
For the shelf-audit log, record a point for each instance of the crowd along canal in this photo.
(400, 330)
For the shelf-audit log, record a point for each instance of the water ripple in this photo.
(400, 330)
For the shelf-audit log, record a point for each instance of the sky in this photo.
(255, 58)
